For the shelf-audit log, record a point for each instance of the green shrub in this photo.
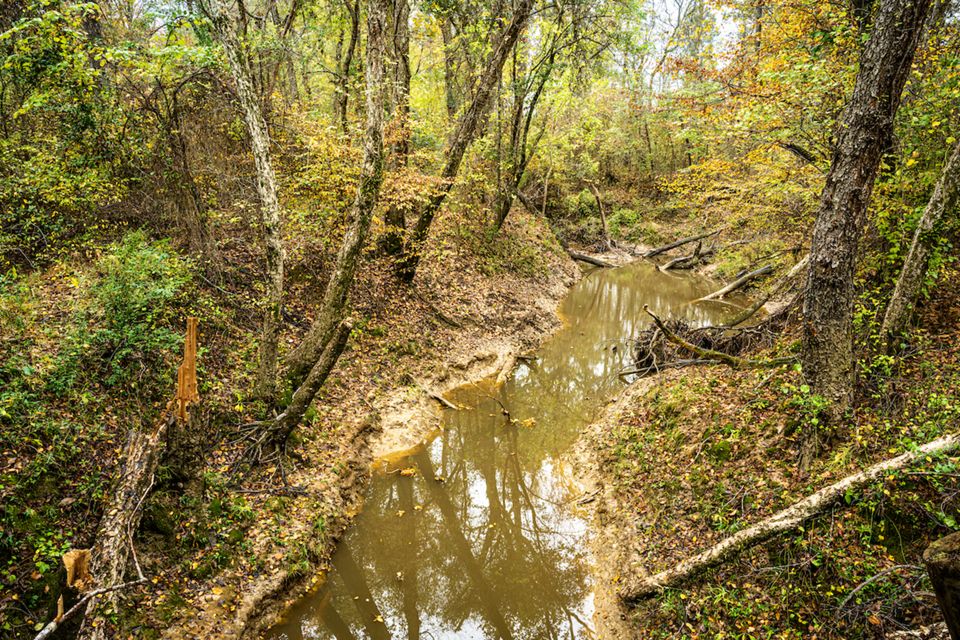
(126, 323)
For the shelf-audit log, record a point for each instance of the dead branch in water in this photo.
(781, 522)
(597, 262)
(679, 243)
(737, 284)
(690, 261)
(711, 355)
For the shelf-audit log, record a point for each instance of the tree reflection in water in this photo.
(482, 542)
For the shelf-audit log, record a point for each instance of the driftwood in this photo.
(738, 283)
(781, 522)
(597, 262)
(114, 543)
(439, 398)
(690, 261)
(679, 243)
(711, 356)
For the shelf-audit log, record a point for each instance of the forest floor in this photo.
(689, 456)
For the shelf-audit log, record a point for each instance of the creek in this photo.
(478, 534)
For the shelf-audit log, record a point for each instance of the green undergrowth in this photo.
(708, 451)
(87, 354)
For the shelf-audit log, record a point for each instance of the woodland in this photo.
(237, 235)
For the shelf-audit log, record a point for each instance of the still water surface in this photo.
(477, 535)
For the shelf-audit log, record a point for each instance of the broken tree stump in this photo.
(943, 564)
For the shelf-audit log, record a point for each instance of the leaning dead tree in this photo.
(907, 291)
(737, 284)
(113, 549)
(781, 522)
(652, 253)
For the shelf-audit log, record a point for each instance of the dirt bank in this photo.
(461, 322)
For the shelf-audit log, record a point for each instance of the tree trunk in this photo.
(466, 131)
(943, 564)
(395, 219)
(864, 132)
(333, 307)
(221, 16)
(114, 543)
(341, 95)
(907, 291)
(449, 68)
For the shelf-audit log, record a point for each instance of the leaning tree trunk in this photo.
(333, 308)
(467, 127)
(223, 22)
(905, 294)
(865, 130)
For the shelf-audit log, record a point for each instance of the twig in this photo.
(52, 626)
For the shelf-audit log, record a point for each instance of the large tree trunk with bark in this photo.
(333, 308)
(467, 127)
(865, 130)
(907, 291)
(221, 16)
(781, 522)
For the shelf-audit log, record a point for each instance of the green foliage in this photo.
(125, 325)
(57, 122)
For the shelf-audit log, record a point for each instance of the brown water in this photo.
(484, 539)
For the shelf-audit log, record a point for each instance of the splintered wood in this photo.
(187, 392)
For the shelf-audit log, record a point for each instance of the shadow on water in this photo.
(481, 541)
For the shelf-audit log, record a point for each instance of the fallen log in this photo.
(738, 283)
(781, 522)
(113, 548)
(597, 262)
(679, 243)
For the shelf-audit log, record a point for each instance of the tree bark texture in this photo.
(394, 218)
(466, 131)
(907, 291)
(333, 308)
(865, 130)
(221, 16)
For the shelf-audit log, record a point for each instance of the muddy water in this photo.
(477, 535)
